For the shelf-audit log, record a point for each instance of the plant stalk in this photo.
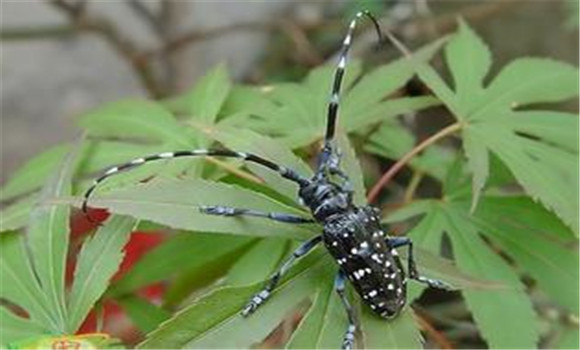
(389, 174)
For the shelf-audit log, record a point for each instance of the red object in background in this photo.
(115, 321)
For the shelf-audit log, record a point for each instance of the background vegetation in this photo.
(493, 185)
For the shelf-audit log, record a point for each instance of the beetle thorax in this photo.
(325, 199)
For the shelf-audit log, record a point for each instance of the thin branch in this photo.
(294, 31)
(41, 32)
(413, 185)
(122, 45)
(147, 16)
(387, 176)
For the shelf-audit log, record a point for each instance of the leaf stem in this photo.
(412, 187)
(389, 174)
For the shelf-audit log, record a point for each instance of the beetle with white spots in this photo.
(352, 234)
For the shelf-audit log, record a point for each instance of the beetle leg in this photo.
(229, 211)
(395, 242)
(339, 286)
(260, 297)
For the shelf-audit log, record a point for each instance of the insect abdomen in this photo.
(357, 243)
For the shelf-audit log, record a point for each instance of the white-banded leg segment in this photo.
(260, 297)
(339, 287)
(229, 211)
(396, 242)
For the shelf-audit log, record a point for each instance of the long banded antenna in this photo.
(286, 173)
(332, 113)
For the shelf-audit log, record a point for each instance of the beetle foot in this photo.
(348, 342)
(255, 302)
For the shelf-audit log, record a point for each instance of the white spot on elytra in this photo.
(390, 286)
(334, 244)
(399, 291)
(354, 251)
(394, 252)
(372, 293)
(364, 245)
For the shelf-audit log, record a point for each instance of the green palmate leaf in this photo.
(185, 251)
(48, 237)
(258, 263)
(334, 322)
(536, 165)
(243, 100)
(15, 216)
(95, 155)
(208, 312)
(504, 314)
(505, 317)
(144, 314)
(19, 284)
(207, 98)
(176, 203)
(252, 142)
(527, 81)
(545, 165)
(136, 118)
(191, 281)
(469, 59)
(98, 260)
(523, 230)
(538, 250)
(214, 321)
(557, 128)
(410, 210)
(309, 331)
(351, 167)
(393, 141)
(304, 105)
(434, 266)
(33, 173)
(400, 333)
(13, 327)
